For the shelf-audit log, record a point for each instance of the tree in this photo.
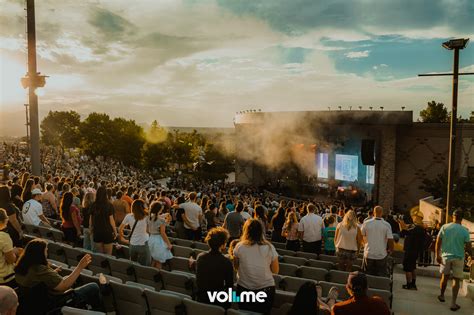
(463, 191)
(97, 135)
(434, 113)
(129, 139)
(471, 119)
(61, 128)
(156, 151)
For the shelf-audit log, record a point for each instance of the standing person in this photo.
(16, 196)
(8, 253)
(413, 246)
(48, 200)
(260, 215)
(102, 223)
(222, 211)
(290, 232)
(360, 303)
(214, 271)
(348, 240)
(71, 219)
(311, 228)
(277, 222)
(378, 237)
(192, 217)
(121, 208)
(138, 237)
(87, 202)
(211, 215)
(256, 260)
(33, 210)
(329, 233)
(158, 243)
(453, 239)
(179, 223)
(13, 226)
(27, 189)
(234, 222)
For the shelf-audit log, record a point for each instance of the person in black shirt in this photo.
(413, 246)
(214, 272)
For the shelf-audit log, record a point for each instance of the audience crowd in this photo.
(101, 204)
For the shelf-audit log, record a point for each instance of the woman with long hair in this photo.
(306, 300)
(277, 222)
(24, 178)
(290, 231)
(26, 193)
(348, 240)
(260, 215)
(255, 260)
(13, 225)
(71, 219)
(159, 244)
(15, 197)
(87, 202)
(138, 237)
(101, 222)
(179, 212)
(33, 269)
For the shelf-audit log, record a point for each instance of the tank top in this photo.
(347, 239)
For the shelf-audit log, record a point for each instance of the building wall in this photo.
(423, 153)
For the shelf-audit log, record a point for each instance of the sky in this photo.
(198, 62)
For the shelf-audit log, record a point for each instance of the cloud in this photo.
(357, 54)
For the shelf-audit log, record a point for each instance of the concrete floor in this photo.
(424, 301)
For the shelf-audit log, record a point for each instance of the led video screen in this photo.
(347, 167)
(322, 165)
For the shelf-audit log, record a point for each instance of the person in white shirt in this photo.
(378, 236)
(138, 237)
(255, 260)
(192, 217)
(310, 229)
(32, 210)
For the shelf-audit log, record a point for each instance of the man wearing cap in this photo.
(453, 239)
(360, 302)
(414, 244)
(33, 210)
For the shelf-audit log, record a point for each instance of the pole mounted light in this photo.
(456, 45)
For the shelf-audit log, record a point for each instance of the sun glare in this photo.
(11, 91)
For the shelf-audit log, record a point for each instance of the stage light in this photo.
(459, 43)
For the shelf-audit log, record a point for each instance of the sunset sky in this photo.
(198, 62)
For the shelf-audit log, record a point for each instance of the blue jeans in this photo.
(140, 254)
(88, 243)
(90, 294)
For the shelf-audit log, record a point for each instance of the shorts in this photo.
(409, 261)
(344, 254)
(454, 265)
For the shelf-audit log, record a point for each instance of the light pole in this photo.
(32, 81)
(456, 45)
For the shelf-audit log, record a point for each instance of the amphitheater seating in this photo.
(292, 284)
(149, 276)
(317, 274)
(128, 299)
(320, 264)
(66, 310)
(299, 261)
(196, 308)
(161, 303)
(288, 270)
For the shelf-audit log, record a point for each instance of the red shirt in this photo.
(361, 306)
(74, 213)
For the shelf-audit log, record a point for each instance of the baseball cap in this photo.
(357, 281)
(36, 191)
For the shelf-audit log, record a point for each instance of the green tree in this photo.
(61, 128)
(97, 135)
(471, 119)
(434, 113)
(129, 140)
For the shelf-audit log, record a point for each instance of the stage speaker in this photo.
(367, 150)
